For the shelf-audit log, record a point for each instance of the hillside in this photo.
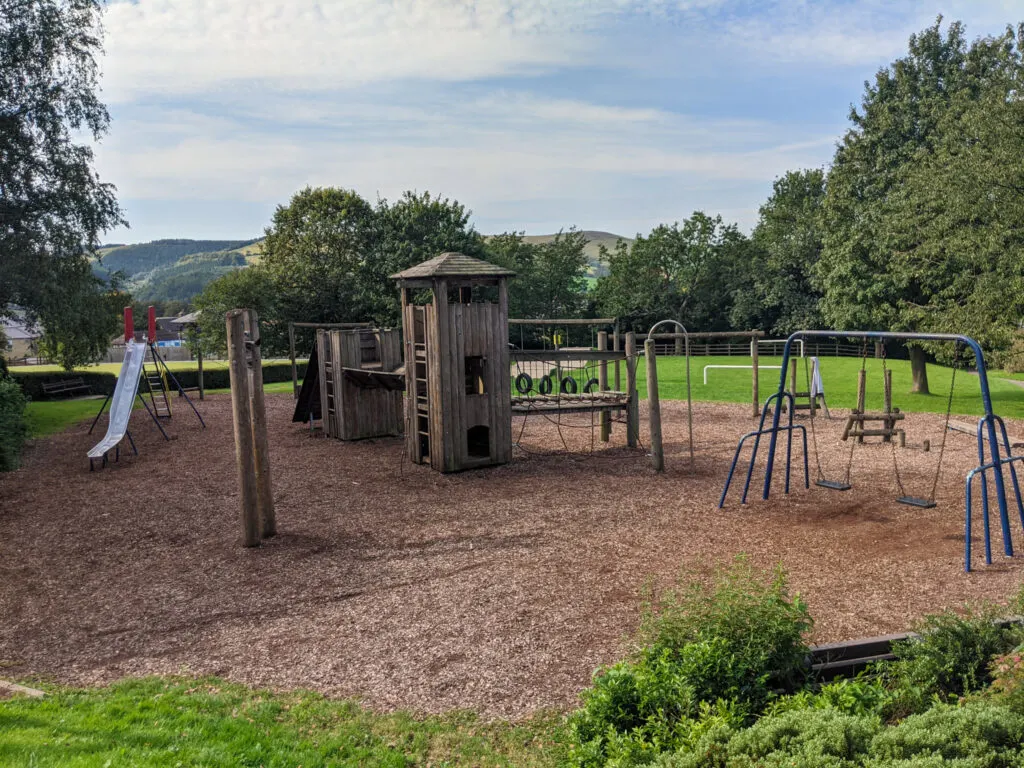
(175, 270)
(178, 270)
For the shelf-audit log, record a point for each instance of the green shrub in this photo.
(865, 694)
(741, 637)
(952, 657)
(978, 730)
(711, 659)
(13, 428)
(31, 382)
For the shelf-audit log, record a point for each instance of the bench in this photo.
(66, 386)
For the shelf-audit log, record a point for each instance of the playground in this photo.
(498, 589)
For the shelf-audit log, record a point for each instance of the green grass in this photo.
(839, 375)
(164, 722)
(51, 416)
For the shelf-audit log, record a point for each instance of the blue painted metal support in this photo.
(994, 462)
(757, 436)
(980, 470)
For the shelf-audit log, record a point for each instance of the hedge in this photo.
(32, 382)
(13, 429)
(103, 383)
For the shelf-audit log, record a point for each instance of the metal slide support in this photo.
(153, 416)
(103, 407)
(181, 389)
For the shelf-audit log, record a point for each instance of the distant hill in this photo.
(179, 270)
(165, 270)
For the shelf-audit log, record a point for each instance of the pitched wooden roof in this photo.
(451, 264)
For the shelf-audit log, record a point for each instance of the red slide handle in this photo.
(129, 325)
(152, 325)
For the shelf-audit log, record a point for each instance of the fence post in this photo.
(633, 401)
(654, 407)
(602, 384)
(261, 447)
(242, 417)
(617, 343)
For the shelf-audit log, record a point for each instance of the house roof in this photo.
(451, 264)
(17, 330)
(190, 319)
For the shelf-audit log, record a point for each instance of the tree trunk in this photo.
(919, 371)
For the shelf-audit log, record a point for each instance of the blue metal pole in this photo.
(1013, 471)
(770, 465)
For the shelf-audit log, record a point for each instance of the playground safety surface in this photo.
(499, 590)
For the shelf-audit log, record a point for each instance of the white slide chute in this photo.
(123, 399)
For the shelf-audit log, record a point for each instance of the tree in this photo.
(886, 261)
(313, 255)
(684, 272)
(249, 288)
(411, 230)
(781, 297)
(53, 207)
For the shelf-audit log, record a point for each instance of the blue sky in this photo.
(537, 115)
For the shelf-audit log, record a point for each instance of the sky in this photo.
(537, 115)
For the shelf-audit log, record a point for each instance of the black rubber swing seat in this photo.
(916, 501)
(833, 485)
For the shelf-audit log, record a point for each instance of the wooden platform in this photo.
(582, 402)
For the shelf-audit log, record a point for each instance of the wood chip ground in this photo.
(499, 590)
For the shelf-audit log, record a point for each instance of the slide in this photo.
(123, 399)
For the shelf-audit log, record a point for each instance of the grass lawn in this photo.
(158, 722)
(839, 375)
(51, 416)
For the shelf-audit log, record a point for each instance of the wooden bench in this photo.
(66, 386)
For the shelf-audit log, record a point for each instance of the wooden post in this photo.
(295, 370)
(202, 389)
(754, 352)
(617, 346)
(241, 410)
(261, 447)
(792, 378)
(654, 407)
(679, 344)
(602, 383)
(633, 402)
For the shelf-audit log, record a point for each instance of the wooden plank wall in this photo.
(361, 412)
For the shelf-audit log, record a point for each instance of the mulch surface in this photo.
(499, 590)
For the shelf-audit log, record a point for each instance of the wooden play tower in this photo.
(458, 390)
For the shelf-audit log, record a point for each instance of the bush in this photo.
(953, 656)
(710, 661)
(978, 731)
(740, 638)
(862, 695)
(31, 382)
(103, 383)
(13, 429)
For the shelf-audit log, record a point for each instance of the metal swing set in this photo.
(994, 446)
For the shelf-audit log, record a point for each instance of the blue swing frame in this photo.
(987, 433)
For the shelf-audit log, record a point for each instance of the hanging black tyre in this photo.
(524, 383)
(591, 385)
(568, 386)
(545, 386)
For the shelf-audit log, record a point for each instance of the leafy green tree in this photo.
(250, 288)
(409, 231)
(53, 207)
(780, 296)
(683, 272)
(886, 261)
(80, 315)
(511, 251)
(313, 256)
